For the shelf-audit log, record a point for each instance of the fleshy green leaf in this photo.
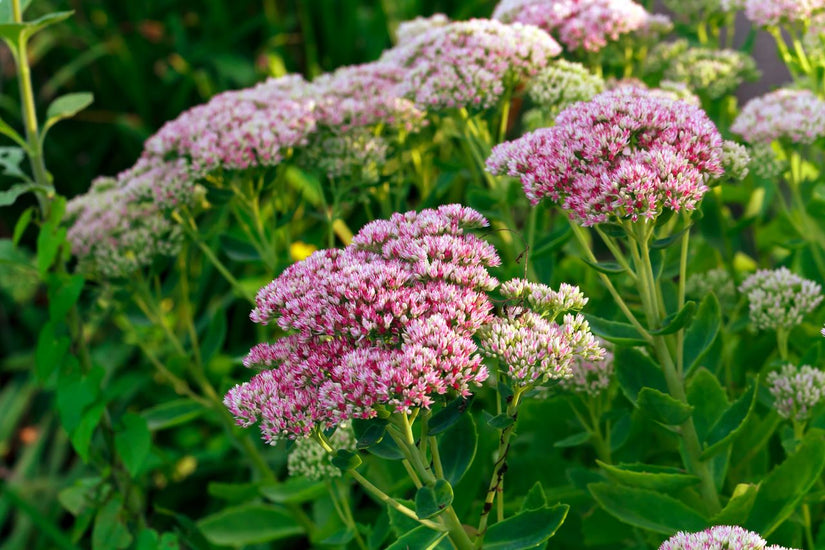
(294, 489)
(635, 371)
(11, 32)
(421, 537)
(248, 524)
(449, 415)
(535, 498)
(608, 268)
(133, 442)
(724, 430)
(457, 448)
(10, 195)
(369, 432)
(346, 460)
(81, 438)
(647, 509)
(739, 506)
(662, 407)
(677, 321)
(648, 476)
(783, 489)
(431, 500)
(526, 529)
(615, 331)
(6, 13)
(708, 398)
(501, 421)
(64, 291)
(702, 332)
(573, 440)
(11, 159)
(50, 351)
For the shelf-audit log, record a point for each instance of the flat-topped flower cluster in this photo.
(779, 298)
(628, 153)
(720, 537)
(797, 116)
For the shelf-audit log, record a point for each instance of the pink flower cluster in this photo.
(578, 24)
(627, 153)
(387, 321)
(469, 63)
(767, 13)
(795, 115)
(720, 537)
(589, 376)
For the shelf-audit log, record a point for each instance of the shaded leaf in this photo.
(647, 509)
(649, 476)
(457, 448)
(431, 500)
(662, 407)
(526, 529)
(248, 524)
(702, 332)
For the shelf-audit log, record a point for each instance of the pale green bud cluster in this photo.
(736, 160)
(563, 83)
(716, 281)
(310, 460)
(796, 391)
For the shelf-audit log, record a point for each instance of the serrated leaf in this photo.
(248, 524)
(662, 407)
(526, 529)
(432, 500)
(635, 371)
(677, 321)
(615, 331)
(647, 509)
(724, 430)
(786, 485)
(648, 476)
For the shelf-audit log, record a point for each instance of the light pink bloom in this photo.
(720, 537)
(794, 115)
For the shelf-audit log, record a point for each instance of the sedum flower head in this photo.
(769, 13)
(780, 298)
(386, 321)
(720, 537)
(589, 376)
(578, 24)
(796, 391)
(627, 153)
(765, 162)
(469, 64)
(533, 350)
(412, 29)
(712, 73)
(543, 299)
(563, 83)
(717, 281)
(736, 160)
(307, 458)
(794, 115)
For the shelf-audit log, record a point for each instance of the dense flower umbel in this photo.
(530, 346)
(767, 13)
(712, 73)
(627, 153)
(387, 321)
(307, 458)
(796, 391)
(469, 64)
(795, 115)
(578, 24)
(120, 224)
(717, 281)
(780, 298)
(720, 537)
(409, 30)
(563, 83)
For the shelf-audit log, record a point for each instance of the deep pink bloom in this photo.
(627, 153)
(388, 321)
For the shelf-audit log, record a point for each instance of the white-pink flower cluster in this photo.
(469, 64)
(779, 298)
(526, 340)
(768, 13)
(796, 391)
(627, 153)
(578, 24)
(387, 321)
(720, 537)
(794, 115)
(588, 376)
